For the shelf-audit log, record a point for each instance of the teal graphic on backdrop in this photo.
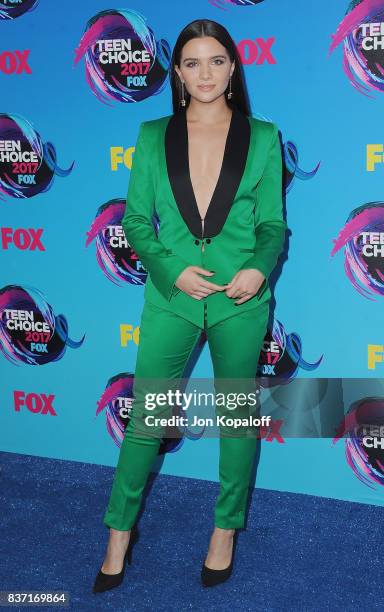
(362, 33)
(11, 9)
(123, 60)
(363, 240)
(30, 331)
(27, 164)
(114, 255)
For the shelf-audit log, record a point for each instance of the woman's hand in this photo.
(245, 284)
(191, 282)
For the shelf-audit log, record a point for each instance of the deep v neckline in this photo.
(236, 155)
(223, 164)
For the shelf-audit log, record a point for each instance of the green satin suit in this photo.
(243, 228)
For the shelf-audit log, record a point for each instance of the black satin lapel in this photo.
(176, 154)
(234, 162)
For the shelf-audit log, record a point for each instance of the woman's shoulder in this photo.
(267, 131)
(264, 125)
(153, 124)
(153, 129)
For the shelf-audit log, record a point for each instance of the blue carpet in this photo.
(298, 553)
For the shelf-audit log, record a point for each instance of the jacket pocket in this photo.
(247, 250)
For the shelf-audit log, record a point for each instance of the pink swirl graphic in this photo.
(118, 402)
(363, 239)
(30, 332)
(364, 442)
(27, 165)
(123, 61)
(362, 32)
(114, 255)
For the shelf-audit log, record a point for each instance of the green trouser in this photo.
(166, 343)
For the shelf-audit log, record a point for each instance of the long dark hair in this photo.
(198, 29)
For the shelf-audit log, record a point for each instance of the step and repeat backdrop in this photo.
(76, 81)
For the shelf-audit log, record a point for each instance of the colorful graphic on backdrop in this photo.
(363, 239)
(363, 428)
(27, 165)
(123, 61)
(118, 402)
(362, 32)
(291, 166)
(224, 4)
(30, 332)
(281, 356)
(10, 9)
(115, 257)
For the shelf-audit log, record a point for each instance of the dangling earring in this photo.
(182, 94)
(229, 95)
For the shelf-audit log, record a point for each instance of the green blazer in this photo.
(243, 226)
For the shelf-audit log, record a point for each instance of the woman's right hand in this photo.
(191, 282)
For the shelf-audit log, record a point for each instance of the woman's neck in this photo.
(208, 113)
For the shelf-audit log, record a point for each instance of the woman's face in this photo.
(205, 62)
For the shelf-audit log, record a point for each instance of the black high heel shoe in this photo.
(104, 582)
(211, 577)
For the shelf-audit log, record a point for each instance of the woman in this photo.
(215, 174)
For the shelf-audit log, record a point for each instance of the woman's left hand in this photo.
(245, 284)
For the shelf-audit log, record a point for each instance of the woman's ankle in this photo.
(224, 531)
(118, 540)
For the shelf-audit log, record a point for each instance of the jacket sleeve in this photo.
(270, 226)
(164, 268)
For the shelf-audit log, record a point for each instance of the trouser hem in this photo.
(239, 524)
(118, 526)
(232, 526)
